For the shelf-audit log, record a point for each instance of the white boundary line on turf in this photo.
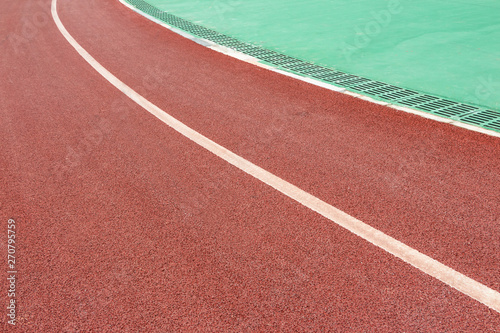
(449, 276)
(255, 61)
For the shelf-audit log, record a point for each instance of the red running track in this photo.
(124, 225)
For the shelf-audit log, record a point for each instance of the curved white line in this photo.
(449, 276)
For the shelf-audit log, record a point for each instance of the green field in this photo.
(442, 47)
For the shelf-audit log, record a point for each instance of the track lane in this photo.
(406, 170)
(213, 256)
(462, 283)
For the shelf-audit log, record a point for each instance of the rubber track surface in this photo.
(126, 226)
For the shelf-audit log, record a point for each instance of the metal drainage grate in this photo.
(396, 95)
(387, 89)
(494, 125)
(419, 99)
(484, 118)
(438, 105)
(369, 86)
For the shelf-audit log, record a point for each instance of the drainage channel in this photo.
(466, 113)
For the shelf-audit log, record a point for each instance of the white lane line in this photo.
(459, 281)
